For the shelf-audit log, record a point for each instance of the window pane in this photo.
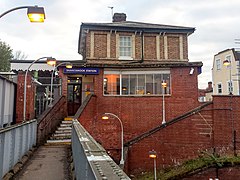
(149, 84)
(166, 78)
(125, 84)
(140, 89)
(133, 83)
(157, 84)
(112, 84)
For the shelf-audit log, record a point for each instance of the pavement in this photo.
(48, 162)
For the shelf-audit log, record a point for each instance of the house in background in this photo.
(206, 94)
(226, 76)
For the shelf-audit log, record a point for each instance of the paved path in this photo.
(49, 162)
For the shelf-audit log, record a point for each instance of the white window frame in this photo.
(218, 64)
(229, 58)
(127, 55)
(137, 87)
(230, 86)
(219, 88)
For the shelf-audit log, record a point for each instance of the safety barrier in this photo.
(15, 141)
(90, 159)
(7, 101)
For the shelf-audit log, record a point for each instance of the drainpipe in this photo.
(142, 38)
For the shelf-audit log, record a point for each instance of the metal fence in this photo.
(7, 101)
(15, 141)
(90, 159)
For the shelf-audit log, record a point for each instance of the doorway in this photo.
(74, 94)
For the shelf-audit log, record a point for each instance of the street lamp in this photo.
(114, 115)
(227, 63)
(68, 65)
(35, 13)
(153, 155)
(164, 85)
(50, 61)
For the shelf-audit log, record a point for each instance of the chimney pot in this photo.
(119, 17)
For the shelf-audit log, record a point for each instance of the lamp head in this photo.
(68, 65)
(36, 14)
(164, 84)
(226, 63)
(51, 61)
(153, 154)
(105, 117)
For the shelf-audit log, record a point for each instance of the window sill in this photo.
(125, 58)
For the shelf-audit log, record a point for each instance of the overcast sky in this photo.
(216, 22)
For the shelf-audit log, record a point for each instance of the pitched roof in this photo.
(132, 25)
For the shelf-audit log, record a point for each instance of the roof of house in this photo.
(235, 51)
(132, 25)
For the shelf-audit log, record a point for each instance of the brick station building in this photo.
(123, 67)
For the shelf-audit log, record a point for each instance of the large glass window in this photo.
(125, 46)
(136, 82)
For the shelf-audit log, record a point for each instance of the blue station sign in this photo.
(89, 71)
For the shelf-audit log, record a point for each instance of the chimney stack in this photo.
(119, 17)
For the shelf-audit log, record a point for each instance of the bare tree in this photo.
(19, 55)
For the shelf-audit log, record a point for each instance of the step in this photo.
(67, 141)
(61, 134)
(60, 138)
(65, 125)
(64, 128)
(68, 118)
(63, 131)
(66, 122)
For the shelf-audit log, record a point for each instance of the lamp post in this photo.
(68, 65)
(227, 63)
(50, 61)
(35, 13)
(164, 85)
(153, 155)
(114, 115)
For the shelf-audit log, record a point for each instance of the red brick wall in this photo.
(226, 120)
(150, 47)
(30, 97)
(173, 47)
(64, 82)
(100, 45)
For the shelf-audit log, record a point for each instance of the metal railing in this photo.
(90, 159)
(15, 141)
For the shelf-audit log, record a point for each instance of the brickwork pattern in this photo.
(30, 98)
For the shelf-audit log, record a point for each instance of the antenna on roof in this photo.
(111, 7)
(237, 41)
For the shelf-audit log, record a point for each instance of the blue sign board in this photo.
(90, 71)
